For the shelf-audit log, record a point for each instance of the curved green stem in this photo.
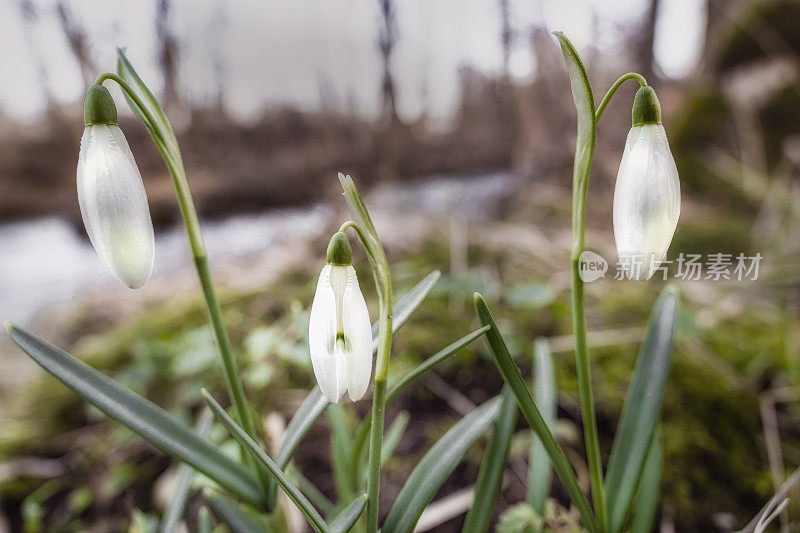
(607, 98)
(174, 162)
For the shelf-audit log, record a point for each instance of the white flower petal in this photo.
(358, 332)
(114, 206)
(322, 337)
(647, 200)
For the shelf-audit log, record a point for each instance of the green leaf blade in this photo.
(646, 506)
(345, 520)
(641, 411)
(407, 304)
(510, 373)
(493, 466)
(432, 361)
(544, 392)
(266, 463)
(392, 437)
(436, 466)
(185, 475)
(140, 415)
(231, 514)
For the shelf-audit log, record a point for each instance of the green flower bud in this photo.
(339, 251)
(646, 108)
(98, 107)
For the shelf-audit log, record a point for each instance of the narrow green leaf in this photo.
(308, 412)
(405, 306)
(311, 408)
(204, 524)
(185, 474)
(392, 437)
(128, 73)
(544, 395)
(363, 429)
(584, 104)
(493, 466)
(641, 410)
(510, 373)
(432, 361)
(267, 464)
(341, 448)
(314, 495)
(440, 461)
(142, 416)
(232, 515)
(646, 506)
(345, 520)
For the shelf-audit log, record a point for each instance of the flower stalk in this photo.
(587, 134)
(164, 141)
(383, 282)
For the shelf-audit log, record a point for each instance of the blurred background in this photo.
(455, 119)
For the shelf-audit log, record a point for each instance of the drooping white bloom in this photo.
(647, 201)
(340, 334)
(113, 204)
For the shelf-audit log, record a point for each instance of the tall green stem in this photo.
(585, 393)
(586, 396)
(378, 412)
(174, 163)
(383, 282)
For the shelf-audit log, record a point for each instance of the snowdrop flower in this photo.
(111, 194)
(339, 330)
(647, 196)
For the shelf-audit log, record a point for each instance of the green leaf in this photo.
(641, 410)
(405, 306)
(392, 437)
(142, 416)
(363, 429)
(311, 408)
(436, 466)
(185, 474)
(432, 361)
(127, 73)
(345, 520)
(204, 521)
(267, 464)
(544, 394)
(231, 514)
(584, 104)
(646, 506)
(490, 476)
(314, 495)
(341, 448)
(308, 412)
(510, 373)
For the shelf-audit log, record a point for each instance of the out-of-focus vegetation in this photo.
(735, 131)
